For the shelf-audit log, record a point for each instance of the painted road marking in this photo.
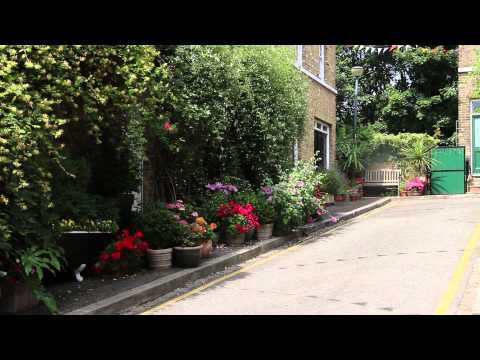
(462, 265)
(262, 261)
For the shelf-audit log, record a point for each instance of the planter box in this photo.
(16, 298)
(81, 247)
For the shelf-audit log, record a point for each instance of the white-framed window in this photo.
(475, 106)
(321, 60)
(295, 152)
(321, 144)
(318, 76)
(299, 61)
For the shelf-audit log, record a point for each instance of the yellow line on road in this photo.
(255, 264)
(454, 283)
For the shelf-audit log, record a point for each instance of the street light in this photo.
(357, 71)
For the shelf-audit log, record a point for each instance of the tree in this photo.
(412, 90)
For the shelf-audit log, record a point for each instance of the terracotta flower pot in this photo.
(16, 298)
(265, 231)
(354, 197)
(340, 198)
(403, 193)
(236, 239)
(207, 248)
(414, 193)
(160, 259)
(187, 257)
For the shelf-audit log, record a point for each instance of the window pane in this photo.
(475, 106)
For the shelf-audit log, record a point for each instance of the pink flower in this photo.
(334, 219)
(183, 222)
(309, 220)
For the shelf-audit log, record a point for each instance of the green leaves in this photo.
(408, 91)
(35, 260)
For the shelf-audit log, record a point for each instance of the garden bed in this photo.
(72, 295)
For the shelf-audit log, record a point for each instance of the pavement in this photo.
(407, 257)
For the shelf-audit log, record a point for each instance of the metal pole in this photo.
(355, 111)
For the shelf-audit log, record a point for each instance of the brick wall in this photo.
(466, 58)
(321, 101)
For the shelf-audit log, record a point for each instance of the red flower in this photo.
(104, 257)
(119, 245)
(96, 269)
(138, 234)
(116, 255)
(143, 246)
(167, 125)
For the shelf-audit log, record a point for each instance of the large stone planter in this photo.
(236, 239)
(414, 193)
(265, 232)
(81, 247)
(186, 257)
(160, 259)
(16, 298)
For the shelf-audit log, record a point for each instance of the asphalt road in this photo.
(409, 257)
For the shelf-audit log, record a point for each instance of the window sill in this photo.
(317, 79)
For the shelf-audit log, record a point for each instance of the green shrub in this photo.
(237, 111)
(294, 196)
(333, 183)
(159, 226)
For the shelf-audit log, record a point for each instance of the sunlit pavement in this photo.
(405, 258)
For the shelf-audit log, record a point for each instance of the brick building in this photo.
(318, 63)
(468, 104)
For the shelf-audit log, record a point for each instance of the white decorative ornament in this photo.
(78, 271)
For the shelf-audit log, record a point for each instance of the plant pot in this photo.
(236, 239)
(207, 248)
(160, 259)
(414, 193)
(186, 257)
(265, 231)
(249, 235)
(330, 199)
(16, 298)
(340, 198)
(403, 193)
(354, 197)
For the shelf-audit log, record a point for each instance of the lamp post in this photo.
(357, 71)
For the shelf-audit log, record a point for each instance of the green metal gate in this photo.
(448, 170)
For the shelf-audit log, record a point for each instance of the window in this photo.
(321, 144)
(475, 106)
(321, 60)
(312, 71)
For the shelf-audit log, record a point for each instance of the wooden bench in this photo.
(383, 177)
